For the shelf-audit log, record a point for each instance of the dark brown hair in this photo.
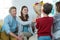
(47, 8)
(58, 6)
(22, 17)
(11, 8)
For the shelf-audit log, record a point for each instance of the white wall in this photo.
(4, 7)
(28, 3)
(6, 4)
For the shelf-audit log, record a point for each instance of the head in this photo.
(12, 11)
(24, 10)
(47, 8)
(58, 6)
(24, 13)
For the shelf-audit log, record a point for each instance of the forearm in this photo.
(25, 23)
(12, 34)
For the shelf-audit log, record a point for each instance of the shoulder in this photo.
(51, 18)
(18, 18)
(7, 17)
(38, 20)
(56, 16)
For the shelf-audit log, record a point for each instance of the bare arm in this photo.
(17, 37)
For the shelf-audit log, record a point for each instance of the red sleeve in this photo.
(52, 19)
(37, 23)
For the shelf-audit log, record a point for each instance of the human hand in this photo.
(19, 38)
(34, 20)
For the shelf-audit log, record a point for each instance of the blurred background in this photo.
(6, 4)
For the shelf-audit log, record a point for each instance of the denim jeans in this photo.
(44, 38)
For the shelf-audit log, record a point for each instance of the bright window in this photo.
(4, 7)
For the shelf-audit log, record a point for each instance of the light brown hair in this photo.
(11, 8)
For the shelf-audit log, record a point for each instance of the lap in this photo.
(27, 34)
(5, 36)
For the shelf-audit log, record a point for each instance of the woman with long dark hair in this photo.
(25, 29)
